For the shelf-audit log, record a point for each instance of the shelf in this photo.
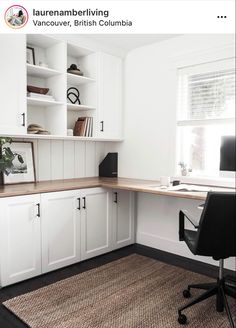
(77, 79)
(58, 137)
(39, 71)
(77, 51)
(42, 102)
(42, 40)
(75, 107)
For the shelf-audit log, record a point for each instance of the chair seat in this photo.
(190, 238)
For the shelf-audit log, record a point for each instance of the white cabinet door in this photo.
(95, 223)
(60, 229)
(20, 241)
(109, 97)
(13, 84)
(123, 218)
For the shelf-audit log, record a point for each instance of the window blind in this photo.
(208, 95)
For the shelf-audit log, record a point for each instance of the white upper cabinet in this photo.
(109, 97)
(13, 84)
(99, 88)
(20, 238)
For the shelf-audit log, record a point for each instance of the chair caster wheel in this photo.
(182, 319)
(186, 293)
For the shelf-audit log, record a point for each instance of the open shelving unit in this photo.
(52, 58)
(99, 86)
(99, 108)
(86, 61)
(50, 114)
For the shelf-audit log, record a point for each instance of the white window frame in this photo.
(212, 55)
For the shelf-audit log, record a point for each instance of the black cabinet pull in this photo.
(78, 208)
(116, 197)
(23, 119)
(38, 214)
(84, 205)
(102, 126)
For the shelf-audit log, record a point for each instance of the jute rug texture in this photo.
(132, 292)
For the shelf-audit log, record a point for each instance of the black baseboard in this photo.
(181, 261)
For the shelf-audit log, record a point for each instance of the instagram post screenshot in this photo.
(117, 164)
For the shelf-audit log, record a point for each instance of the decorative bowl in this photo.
(42, 91)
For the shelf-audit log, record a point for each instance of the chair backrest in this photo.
(217, 226)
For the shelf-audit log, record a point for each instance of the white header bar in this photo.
(91, 17)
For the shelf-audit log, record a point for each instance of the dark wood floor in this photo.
(8, 320)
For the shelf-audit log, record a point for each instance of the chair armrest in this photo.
(182, 215)
(190, 219)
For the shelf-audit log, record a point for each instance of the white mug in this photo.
(165, 181)
(69, 132)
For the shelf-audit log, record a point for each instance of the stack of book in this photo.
(40, 96)
(84, 127)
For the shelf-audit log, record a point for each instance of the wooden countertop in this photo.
(146, 186)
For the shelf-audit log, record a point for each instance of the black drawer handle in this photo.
(78, 208)
(116, 197)
(102, 126)
(38, 214)
(84, 200)
(23, 119)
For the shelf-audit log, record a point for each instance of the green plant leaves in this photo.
(4, 140)
(7, 156)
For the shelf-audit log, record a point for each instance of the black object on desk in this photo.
(175, 183)
(109, 166)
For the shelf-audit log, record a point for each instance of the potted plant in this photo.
(7, 157)
(183, 167)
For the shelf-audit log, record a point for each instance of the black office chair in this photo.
(215, 237)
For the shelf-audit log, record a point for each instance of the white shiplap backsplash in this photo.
(63, 159)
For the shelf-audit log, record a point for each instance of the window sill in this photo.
(208, 181)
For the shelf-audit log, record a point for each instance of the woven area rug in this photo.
(133, 292)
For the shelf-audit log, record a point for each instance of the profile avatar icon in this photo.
(16, 16)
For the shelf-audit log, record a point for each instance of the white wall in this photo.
(150, 131)
(58, 159)
(150, 102)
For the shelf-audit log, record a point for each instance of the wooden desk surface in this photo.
(146, 186)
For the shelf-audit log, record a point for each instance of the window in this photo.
(206, 111)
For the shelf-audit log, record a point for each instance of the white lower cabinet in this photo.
(60, 229)
(95, 223)
(20, 238)
(41, 233)
(122, 218)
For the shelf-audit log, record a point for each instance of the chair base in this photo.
(220, 289)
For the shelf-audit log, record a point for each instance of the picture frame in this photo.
(30, 55)
(22, 172)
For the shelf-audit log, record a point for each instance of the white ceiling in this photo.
(127, 42)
